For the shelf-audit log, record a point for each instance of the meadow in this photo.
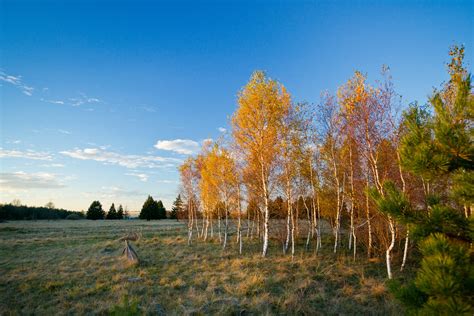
(76, 267)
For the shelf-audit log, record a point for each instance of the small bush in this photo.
(74, 217)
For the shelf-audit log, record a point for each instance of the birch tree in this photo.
(256, 125)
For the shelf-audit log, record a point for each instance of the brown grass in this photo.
(63, 267)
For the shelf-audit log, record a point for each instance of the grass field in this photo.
(76, 267)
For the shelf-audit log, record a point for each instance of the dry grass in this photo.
(75, 267)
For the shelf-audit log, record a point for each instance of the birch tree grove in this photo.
(352, 164)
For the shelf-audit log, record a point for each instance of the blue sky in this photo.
(103, 99)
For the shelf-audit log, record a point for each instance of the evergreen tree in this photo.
(150, 209)
(112, 214)
(177, 207)
(434, 146)
(95, 211)
(120, 213)
(161, 210)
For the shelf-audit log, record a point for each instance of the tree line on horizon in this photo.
(151, 210)
(17, 211)
(390, 181)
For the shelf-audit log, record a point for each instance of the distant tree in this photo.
(161, 210)
(49, 205)
(16, 202)
(112, 214)
(95, 211)
(277, 207)
(120, 213)
(177, 207)
(150, 209)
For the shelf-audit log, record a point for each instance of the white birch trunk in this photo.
(292, 234)
(205, 225)
(219, 223)
(352, 229)
(265, 221)
(369, 225)
(239, 224)
(308, 214)
(389, 249)
(225, 226)
(190, 222)
(405, 250)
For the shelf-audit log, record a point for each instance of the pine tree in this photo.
(150, 209)
(161, 210)
(95, 211)
(120, 213)
(439, 145)
(112, 214)
(177, 207)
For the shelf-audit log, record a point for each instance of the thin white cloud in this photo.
(28, 90)
(16, 141)
(128, 161)
(60, 102)
(180, 146)
(113, 192)
(17, 82)
(83, 99)
(149, 109)
(63, 131)
(53, 165)
(28, 154)
(168, 181)
(222, 129)
(23, 180)
(141, 176)
(10, 79)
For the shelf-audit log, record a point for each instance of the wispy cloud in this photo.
(53, 165)
(180, 146)
(222, 129)
(82, 99)
(168, 181)
(28, 90)
(60, 102)
(113, 192)
(128, 161)
(16, 141)
(141, 176)
(63, 131)
(17, 82)
(23, 180)
(28, 154)
(146, 108)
